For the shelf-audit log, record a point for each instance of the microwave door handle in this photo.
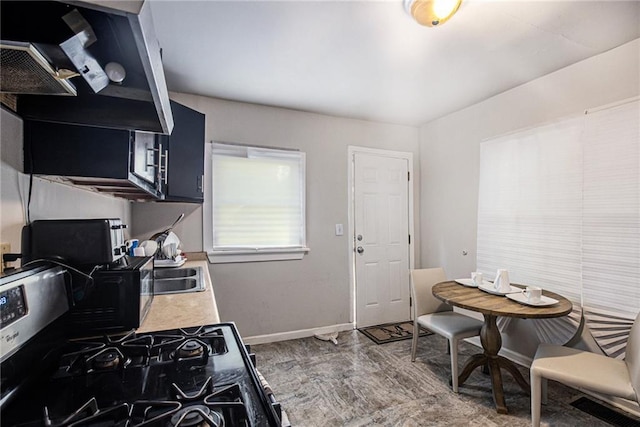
(164, 169)
(151, 154)
(150, 160)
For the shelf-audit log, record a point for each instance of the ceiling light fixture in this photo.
(431, 12)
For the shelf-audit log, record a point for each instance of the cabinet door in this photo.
(185, 161)
(79, 151)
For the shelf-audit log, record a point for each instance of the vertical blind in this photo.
(559, 207)
(258, 198)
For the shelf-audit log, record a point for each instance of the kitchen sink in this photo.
(175, 273)
(178, 280)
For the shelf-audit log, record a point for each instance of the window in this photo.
(258, 204)
(559, 206)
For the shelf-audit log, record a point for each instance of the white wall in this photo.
(49, 200)
(274, 297)
(450, 153)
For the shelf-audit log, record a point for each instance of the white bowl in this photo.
(150, 247)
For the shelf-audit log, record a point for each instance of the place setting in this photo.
(475, 280)
(501, 286)
(532, 296)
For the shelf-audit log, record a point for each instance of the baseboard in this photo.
(292, 335)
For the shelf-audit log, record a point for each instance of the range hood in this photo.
(70, 46)
(25, 70)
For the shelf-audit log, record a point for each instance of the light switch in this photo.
(339, 230)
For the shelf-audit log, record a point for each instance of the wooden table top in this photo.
(474, 299)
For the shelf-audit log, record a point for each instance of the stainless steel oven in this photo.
(201, 375)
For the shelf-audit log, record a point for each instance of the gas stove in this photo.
(181, 377)
(200, 376)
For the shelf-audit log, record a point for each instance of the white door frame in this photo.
(352, 150)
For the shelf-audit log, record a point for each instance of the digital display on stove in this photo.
(12, 305)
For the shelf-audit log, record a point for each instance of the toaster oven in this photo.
(75, 242)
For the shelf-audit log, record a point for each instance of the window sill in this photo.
(256, 255)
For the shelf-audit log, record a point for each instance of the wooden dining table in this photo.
(491, 306)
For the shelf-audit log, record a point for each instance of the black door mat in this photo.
(390, 332)
(609, 415)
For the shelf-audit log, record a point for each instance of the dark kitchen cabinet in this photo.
(130, 164)
(118, 162)
(184, 158)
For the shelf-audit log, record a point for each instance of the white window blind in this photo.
(559, 207)
(529, 208)
(611, 224)
(258, 198)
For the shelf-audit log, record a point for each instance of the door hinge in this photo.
(408, 176)
(410, 302)
(409, 238)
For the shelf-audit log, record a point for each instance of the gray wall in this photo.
(49, 200)
(450, 153)
(273, 297)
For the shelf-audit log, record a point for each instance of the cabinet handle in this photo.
(164, 169)
(199, 182)
(150, 154)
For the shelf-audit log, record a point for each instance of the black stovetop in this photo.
(193, 376)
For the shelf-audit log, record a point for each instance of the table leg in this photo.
(491, 343)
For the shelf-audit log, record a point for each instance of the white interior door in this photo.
(381, 230)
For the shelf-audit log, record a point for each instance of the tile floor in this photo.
(359, 383)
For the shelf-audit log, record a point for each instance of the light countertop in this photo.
(183, 310)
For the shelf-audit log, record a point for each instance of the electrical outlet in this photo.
(5, 248)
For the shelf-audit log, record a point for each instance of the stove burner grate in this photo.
(150, 412)
(89, 413)
(195, 416)
(205, 390)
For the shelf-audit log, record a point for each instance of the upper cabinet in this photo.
(116, 162)
(185, 156)
(95, 63)
(135, 165)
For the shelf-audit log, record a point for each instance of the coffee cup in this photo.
(476, 278)
(533, 294)
(501, 282)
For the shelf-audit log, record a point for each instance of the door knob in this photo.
(360, 249)
(359, 237)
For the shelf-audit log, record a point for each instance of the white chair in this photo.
(438, 317)
(586, 370)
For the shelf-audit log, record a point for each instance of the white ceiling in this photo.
(370, 60)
